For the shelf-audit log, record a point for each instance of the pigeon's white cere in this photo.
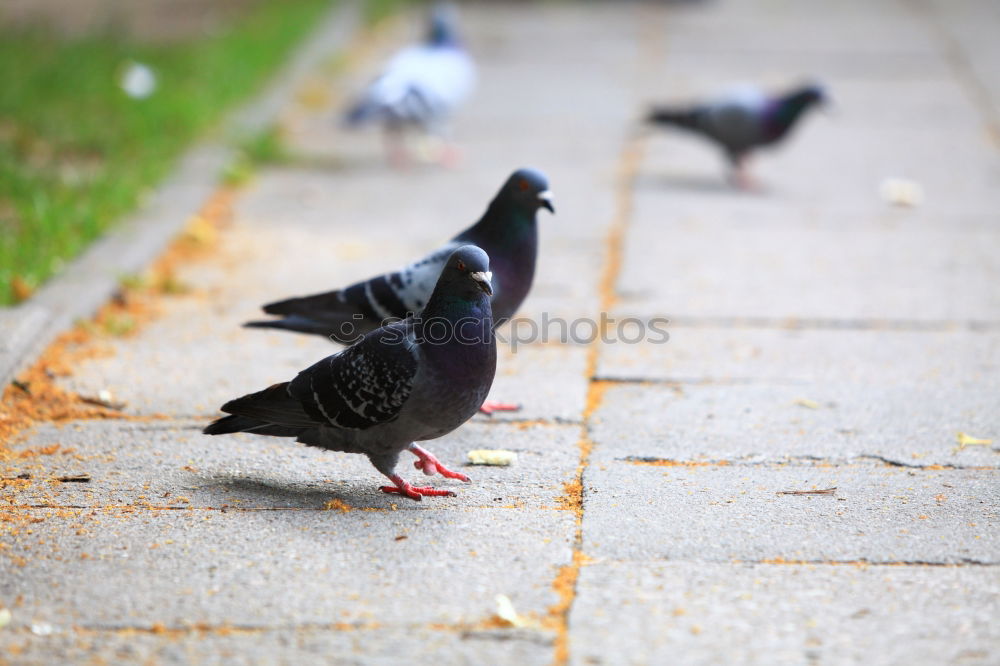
(482, 276)
(545, 195)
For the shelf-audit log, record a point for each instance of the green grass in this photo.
(76, 153)
(376, 10)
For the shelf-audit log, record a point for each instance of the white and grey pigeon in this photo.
(742, 121)
(403, 383)
(420, 87)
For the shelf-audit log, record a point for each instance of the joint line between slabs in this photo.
(566, 581)
(957, 58)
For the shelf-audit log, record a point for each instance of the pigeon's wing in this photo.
(445, 77)
(735, 120)
(419, 85)
(363, 386)
(389, 296)
(414, 284)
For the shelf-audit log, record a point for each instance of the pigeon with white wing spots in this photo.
(409, 381)
(507, 231)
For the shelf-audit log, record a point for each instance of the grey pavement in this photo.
(779, 483)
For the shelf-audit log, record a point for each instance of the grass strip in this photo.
(77, 152)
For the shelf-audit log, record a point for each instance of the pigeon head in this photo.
(527, 189)
(469, 266)
(441, 26)
(808, 95)
(790, 108)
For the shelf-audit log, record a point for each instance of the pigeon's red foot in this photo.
(451, 156)
(429, 464)
(413, 492)
(396, 152)
(491, 406)
(743, 180)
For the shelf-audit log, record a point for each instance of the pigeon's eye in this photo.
(461, 265)
(523, 185)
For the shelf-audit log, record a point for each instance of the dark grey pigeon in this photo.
(742, 121)
(507, 231)
(403, 383)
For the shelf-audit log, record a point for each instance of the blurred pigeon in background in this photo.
(419, 88)
(742, 121)
(507, 231)
(406, 382)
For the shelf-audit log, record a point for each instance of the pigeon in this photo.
(406, 382)
(507, 231)
(419, 87)
(742, 121)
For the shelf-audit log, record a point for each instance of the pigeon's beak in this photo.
(545, 200)
(483, 278)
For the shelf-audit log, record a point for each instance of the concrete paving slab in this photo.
(718, 270)
(284, 568)
(688, 70)
(833, 422)
(781, 31)
(726, 513)
(172, 465)
(315, 645)
(230, 362)
(548, 381)
(784, 614)
(712, 351)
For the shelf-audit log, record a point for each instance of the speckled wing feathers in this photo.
(364, 385)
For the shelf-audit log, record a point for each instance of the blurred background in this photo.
(100, 97)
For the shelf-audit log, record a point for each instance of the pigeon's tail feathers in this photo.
(327, 302)
(296, 323)
(662, 115)
(228, 424)
(234, 423)
(360, 113)
(273, 406)
(340, 315)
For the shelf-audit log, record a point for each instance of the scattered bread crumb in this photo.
(507, 613)
(901, 192)
(496, 457)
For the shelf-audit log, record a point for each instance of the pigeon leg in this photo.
(451, 155)
(491, 406)
(429, 464)
(411, 491)
(395, 148)
(741, 175)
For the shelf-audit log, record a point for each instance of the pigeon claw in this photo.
(402, 487)
(416, 492)
(491, 406)
(428, 464)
